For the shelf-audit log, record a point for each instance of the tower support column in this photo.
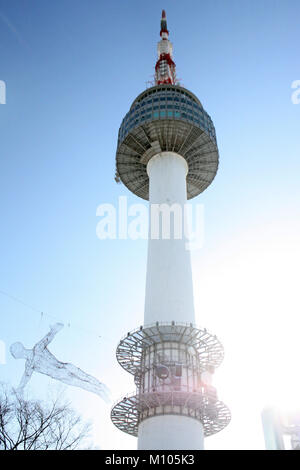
(169, 292)
(170, 432)
(169, 287)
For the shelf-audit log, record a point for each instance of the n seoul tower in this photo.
(167, 153)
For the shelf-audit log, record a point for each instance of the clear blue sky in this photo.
(72, 69)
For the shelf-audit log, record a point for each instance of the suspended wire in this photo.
(43, 314)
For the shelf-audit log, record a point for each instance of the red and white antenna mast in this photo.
(165, 68)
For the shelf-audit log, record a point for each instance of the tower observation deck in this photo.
(167, 153)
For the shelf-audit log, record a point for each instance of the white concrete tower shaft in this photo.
(169, 288)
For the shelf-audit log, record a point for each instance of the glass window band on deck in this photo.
(162, 103)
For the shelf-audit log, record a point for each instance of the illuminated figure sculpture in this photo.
(40, 359)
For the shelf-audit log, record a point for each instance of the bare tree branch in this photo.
(31, 425)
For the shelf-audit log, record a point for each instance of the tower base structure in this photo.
(173, 407)
(171, 432)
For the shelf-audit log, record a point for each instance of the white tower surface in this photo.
(169, 295)
(167, 153)
(169, 288)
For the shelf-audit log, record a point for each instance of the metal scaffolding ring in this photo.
(207, 346)
(133, 409)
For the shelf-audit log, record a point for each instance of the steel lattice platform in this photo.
(129, 351)
(133, 409)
